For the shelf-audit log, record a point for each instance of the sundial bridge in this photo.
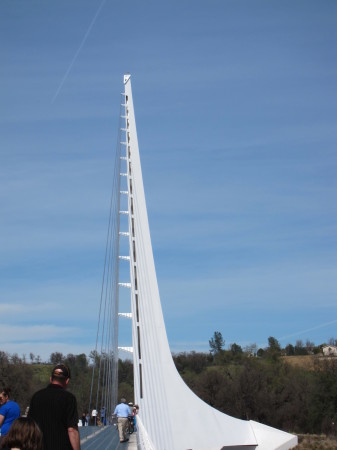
(130, 292)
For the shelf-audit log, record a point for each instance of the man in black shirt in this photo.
(55, 411)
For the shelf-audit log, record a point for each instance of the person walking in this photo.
(55, 411)
(103, 416)
(122, 411)
(9, 411)
(84, 420)
(94, 416)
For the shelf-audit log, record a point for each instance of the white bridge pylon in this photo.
(171, 416)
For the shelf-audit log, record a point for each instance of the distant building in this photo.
(329, 350)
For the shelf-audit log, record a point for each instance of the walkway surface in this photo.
(105, 438)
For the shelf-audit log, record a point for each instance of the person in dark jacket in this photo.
(55, 411)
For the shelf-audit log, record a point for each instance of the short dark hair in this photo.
(23, 434)
(6, 391)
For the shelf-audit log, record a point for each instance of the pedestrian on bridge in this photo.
(55, 411)
(9, 411)
(122, 412)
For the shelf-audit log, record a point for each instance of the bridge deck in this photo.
(105, 438)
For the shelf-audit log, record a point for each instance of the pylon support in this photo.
(186, 422)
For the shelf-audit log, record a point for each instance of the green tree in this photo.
(194, 361)
(273, 344)
(210, 385)
(236, 349)
(290, 350)
(300, 349)
(274, 348)
(216, 343)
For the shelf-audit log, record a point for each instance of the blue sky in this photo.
(236, 110)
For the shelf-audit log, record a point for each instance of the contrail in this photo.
(322, 325)
(78, 51)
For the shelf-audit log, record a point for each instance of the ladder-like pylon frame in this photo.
(171, 416)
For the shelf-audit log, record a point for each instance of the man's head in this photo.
(4, 395)
(60, 375)
(123, 400)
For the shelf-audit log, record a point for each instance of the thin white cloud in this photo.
(308, 330)
(24, 308)
(276, 286)
(12, 333)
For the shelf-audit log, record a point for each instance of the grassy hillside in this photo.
(316, 442)
(307, 362)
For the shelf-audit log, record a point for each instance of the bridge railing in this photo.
(143, 439)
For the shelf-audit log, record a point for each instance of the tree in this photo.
(332, 341)
(82, 362)
(56, 358)
(216, 343)
(210, 385)
(94, 357)
(15, 359)
(299, 348)
(4, 358)
(309, 345)
(273, 344)
(194, 361)
(274, 348)
(236, 349)
(290, 350)
(125, 371)
(250, 349)
(260, 353)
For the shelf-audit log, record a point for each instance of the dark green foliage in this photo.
(193, 361)
(25, 379)
(125, 380)
(323, 411)
(273, 344)
(56, 358)
(290, 350)
(260, 353)
(18, 377)
(81, 374)
(236, 349)
(216, 343)
(210, 386)
(299, 348)
(264, 388)
(125, 371)
(274, 349)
